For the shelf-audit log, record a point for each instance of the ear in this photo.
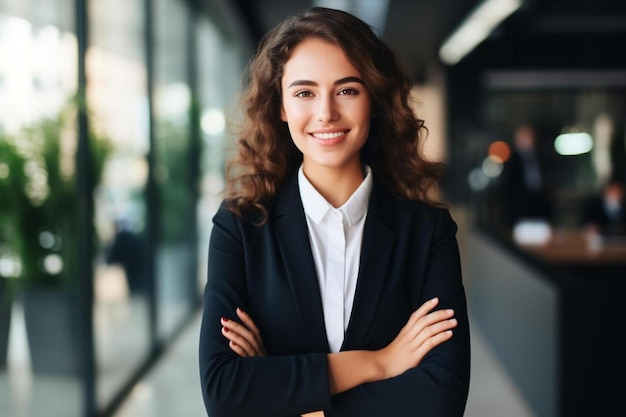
(283, 115)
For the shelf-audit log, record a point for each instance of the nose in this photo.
(327, 109)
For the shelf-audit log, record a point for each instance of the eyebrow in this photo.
(340, 81)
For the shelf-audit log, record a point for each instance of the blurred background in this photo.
(114, 129)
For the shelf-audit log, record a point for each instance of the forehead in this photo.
(314, 59)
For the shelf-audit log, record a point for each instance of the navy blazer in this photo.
(409, 255)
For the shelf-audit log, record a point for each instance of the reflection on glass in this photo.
(174, 166)
(117, 100)
(221, 60)
(39, 348)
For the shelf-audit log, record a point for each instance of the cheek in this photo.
(360, 112)
(367, 110)
(294, 115)
(297, 140)
(365, 116)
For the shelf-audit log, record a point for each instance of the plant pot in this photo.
(51, 318)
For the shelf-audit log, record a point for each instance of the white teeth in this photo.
(328, 135)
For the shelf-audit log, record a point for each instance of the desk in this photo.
(571, 247)
(554, 313)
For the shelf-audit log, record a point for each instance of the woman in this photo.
(334, 282)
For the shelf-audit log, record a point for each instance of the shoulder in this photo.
(407, 215)
(425, 215)
(227, 216)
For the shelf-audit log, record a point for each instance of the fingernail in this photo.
(225, 329)
(433, 300)
(239, 309)
(450, 311)
(453, 321)
(224, 319)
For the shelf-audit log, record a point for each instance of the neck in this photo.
(335, 185)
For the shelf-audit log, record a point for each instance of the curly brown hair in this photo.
(266, 155)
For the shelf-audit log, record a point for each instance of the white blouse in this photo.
(336, 235)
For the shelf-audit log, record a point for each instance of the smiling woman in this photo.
(334, 283)
(327, 108)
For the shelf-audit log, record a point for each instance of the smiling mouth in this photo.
(327, 136)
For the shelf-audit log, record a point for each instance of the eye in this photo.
(304, 94)
(348, 91)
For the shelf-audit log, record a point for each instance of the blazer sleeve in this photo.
(260, 386)
(439, 385)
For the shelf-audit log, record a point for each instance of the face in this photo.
(614, 193)
(524, 138)
(326, 106)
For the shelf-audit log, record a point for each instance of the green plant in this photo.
(46, 223)
(12, 180)
(174, 176)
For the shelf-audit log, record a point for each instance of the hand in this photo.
(244, 339)
(422, 332)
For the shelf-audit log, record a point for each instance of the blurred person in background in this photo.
(523, 182)
(128, 250)
(605, 214)
(334, 282)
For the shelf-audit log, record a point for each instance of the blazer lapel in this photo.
(292, 236)
(376, 252)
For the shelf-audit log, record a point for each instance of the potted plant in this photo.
(12, 182)
(49, 242)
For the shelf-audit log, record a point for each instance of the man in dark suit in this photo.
(606, 214)
(523, 181)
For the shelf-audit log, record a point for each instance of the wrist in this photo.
(349, 369)
(380, 364)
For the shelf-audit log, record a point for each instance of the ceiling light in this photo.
(573, 143)
(476, 28)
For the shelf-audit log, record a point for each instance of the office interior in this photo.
(116, 122)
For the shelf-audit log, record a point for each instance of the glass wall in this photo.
(39, 349)
(117, 98)
(175, 166)
(112, 142)
(221, 57)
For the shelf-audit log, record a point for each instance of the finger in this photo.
(244, 337)
(418, 314)
(432, 342)
(240, 329)
(434, 330)
(423, 310)
(247, 320)
(240, 341)
(237, 349)
(429, 320)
